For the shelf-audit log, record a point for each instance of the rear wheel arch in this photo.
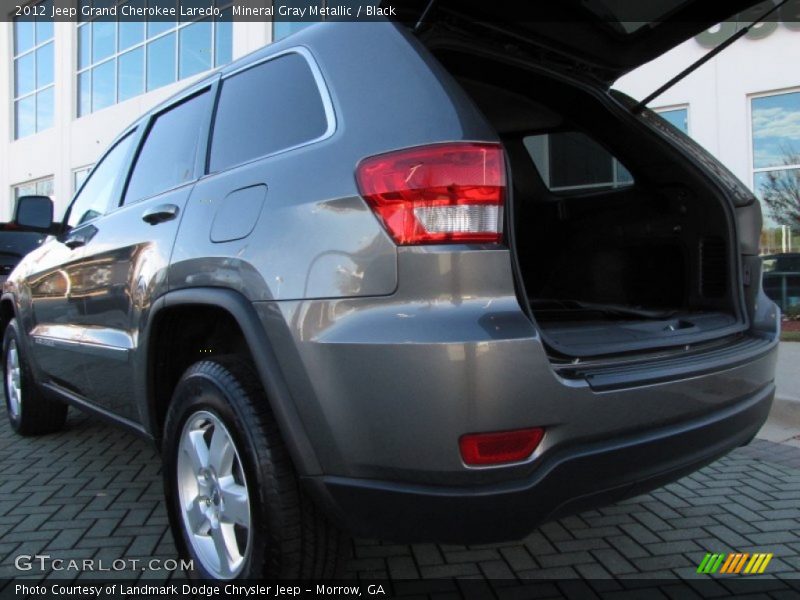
(230, 311)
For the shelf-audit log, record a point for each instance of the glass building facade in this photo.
(33, 58)
(775, 133)
(678, 117)
(118, 60)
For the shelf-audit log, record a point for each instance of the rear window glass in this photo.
(271, 107)
(571, 161)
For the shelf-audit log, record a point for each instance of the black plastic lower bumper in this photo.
(566, 481)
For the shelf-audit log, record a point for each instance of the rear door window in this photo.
(571, 161)
(169, 154)
(271, 107)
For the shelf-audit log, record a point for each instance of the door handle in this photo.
(159, 214)
(76, 241)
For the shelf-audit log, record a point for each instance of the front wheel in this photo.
(234, 500)
(29, 412)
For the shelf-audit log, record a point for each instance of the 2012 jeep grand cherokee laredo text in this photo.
(437, 285)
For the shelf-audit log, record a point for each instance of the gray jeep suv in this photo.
(435, 285)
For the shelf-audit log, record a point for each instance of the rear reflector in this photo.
(445, 193)
(480, 449)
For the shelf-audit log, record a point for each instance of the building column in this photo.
(7, 110)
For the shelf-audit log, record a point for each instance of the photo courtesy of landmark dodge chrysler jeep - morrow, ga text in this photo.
(436, 284)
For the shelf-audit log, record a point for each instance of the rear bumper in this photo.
(566, 480)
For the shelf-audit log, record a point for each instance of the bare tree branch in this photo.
(781, 192)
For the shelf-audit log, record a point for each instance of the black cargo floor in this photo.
(594, 337)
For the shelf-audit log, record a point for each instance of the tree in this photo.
(781, 193)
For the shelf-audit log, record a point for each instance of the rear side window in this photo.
(270, 107)
(169, 154)
(571, 161)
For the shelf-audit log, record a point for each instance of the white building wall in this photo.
(718, 93)
(74, 143)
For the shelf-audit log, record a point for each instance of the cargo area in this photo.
(621, 244)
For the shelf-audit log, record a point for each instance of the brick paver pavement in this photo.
(94, 492)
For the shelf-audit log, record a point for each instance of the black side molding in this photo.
(266, 362)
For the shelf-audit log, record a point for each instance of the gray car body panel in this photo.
(375, 358)
(428, 370)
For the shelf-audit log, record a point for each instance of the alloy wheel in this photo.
(213, 495)
(13, 379)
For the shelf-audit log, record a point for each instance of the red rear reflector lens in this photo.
(500, 447)
(445, 193)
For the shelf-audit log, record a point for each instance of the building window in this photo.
(572, 162)
(775, 123)
(677, 117)
(79, 176)
(33, 73)
(120, 60)
(38, 187)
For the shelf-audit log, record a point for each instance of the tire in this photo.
(29, 412)
(284, 535)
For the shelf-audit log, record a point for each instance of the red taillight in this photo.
(446, 193)
(480, 449)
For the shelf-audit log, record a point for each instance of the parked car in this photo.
(782, 279)
(15, 244)
(432, 285)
